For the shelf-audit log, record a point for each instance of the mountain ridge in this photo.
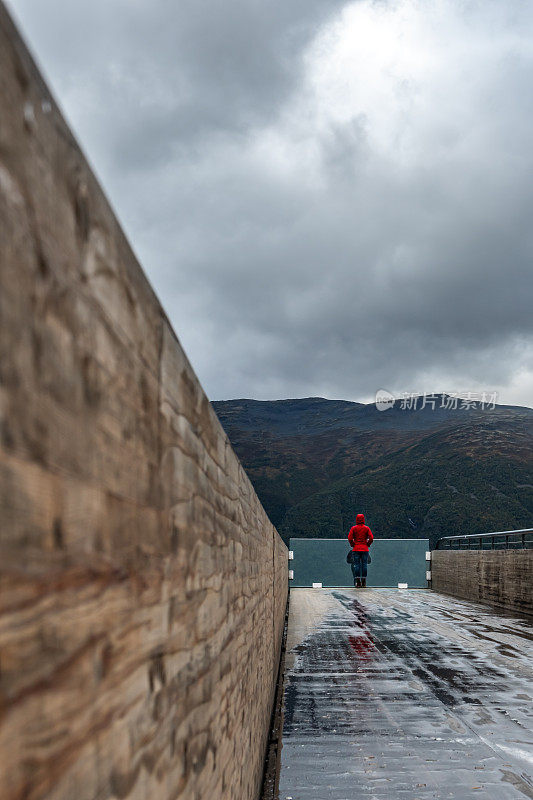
(313, 461)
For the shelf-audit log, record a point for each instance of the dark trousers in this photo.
(359, 564)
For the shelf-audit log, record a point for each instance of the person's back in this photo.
(360, 537)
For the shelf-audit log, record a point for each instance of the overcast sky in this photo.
(329, 198)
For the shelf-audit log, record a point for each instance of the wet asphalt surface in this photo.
(405, 694)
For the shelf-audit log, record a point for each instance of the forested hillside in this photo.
(414, 473)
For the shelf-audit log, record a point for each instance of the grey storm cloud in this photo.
(328, 197)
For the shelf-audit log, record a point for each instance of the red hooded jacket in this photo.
(360, 535)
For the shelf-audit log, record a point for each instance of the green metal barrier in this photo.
(394, 561)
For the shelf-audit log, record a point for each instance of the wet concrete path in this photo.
(405, 694)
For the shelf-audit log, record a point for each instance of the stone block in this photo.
(142, 586)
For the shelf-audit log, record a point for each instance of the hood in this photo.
(360, 519)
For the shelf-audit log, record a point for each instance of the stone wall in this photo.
(501, 578)
(142, 586)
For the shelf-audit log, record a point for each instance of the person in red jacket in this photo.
(360, 537)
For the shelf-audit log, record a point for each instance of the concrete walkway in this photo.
(405, 694)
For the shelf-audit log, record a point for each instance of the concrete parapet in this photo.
(503, 578)
(142, 586)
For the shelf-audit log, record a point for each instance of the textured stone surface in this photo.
(142, 587)
(503, 578)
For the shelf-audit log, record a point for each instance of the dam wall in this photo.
(142, 586)
(501, 578)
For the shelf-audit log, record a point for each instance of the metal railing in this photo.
(499, 540)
